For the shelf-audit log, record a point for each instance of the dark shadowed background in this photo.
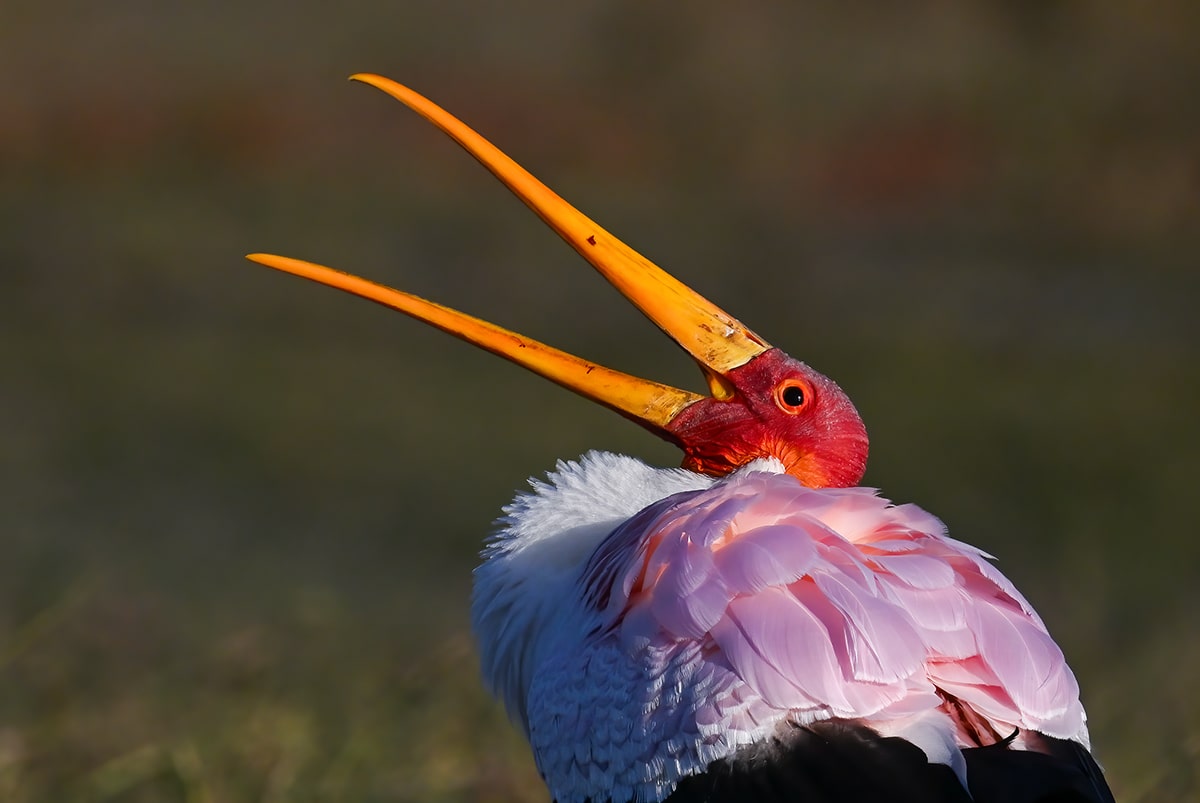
(238, 512)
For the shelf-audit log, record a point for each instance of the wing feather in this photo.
(717, 616)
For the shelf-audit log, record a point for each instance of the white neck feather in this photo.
(525, 599)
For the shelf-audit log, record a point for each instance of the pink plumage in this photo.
(713, 615)
(834, 602)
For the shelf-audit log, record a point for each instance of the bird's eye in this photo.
(791, 396)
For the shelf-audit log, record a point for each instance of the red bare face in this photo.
(782, 409)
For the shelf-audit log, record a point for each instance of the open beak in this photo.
(718, 342)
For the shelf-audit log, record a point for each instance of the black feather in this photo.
(841, 761)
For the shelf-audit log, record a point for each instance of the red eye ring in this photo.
(792, 395)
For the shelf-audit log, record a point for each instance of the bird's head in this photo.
(761, 402)
(775, 406)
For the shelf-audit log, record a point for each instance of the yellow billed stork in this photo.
(751, 626)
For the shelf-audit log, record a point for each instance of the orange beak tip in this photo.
(268, 260)
(296, 267)
(369, 78)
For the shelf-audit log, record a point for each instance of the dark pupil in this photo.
(793, 396)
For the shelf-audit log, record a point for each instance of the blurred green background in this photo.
(239, 512)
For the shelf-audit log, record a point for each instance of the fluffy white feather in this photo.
(525, 597)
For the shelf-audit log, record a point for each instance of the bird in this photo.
(752, 625)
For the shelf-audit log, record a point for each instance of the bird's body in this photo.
(751, 627)
(645, 623)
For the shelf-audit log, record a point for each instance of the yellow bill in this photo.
(718, 342)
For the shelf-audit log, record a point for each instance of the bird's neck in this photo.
(526, 598)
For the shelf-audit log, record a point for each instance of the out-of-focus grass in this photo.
(119, 704)
(239, 513)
